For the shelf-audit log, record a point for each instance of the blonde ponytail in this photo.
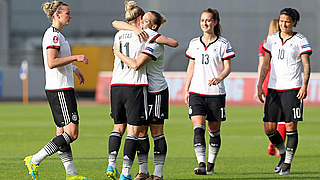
(132, 11)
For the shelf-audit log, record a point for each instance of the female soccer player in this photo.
(273, 28)
(209, 64)
(158, 95)
(288, 55)
(59, 90)
(128, 93)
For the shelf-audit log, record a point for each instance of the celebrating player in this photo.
(128, 93)
(209, 64)
(273, 28)
(288, 54)
(158, 94)
(59, 90)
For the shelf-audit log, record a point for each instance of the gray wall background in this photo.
(244, 23)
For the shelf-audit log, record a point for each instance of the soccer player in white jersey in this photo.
(209, 64)
(60, 91)
(128, 96)
(158, 94)
(288, 55)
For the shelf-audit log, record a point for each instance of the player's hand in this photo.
(142, 35)
(302, 94)
(79, 75)
(214, 81)
(260, 94)
(186, 98)
(82, 58)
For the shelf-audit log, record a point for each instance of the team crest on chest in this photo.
(55, 39)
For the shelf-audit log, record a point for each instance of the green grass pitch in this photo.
(24, 129)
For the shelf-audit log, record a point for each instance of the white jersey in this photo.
(286, 65)
(59, 77)
(131, 47)
(155, 67)
(208, 64)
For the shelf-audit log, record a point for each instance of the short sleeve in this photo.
(53, 41)
(267, 45)
(305, 47)
(153, 35)
(190, 52)
(228, 52)
(153, 50)
(261, 53)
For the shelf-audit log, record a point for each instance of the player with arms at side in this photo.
(288, 54)
(273, 28)
(209, 64)
(158, 95)
(60, 91)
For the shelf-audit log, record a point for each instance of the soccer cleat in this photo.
(142, 176)
(112, 173)
(285, 169)
(210, 168)
(32, 168)
(122, 177)
(271, 149)
(201, 170)
(76, 177)
(278, 167)
(154, 177)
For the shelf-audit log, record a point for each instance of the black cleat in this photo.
(210, 168)
(285, 169)
(201, 170)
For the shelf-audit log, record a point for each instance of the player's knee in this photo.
(120, 128)
(199, 139)
(160, 145)
(215, 139)
(156, 130)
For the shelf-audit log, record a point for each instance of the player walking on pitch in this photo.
(59, 90)
(209, 64)
(288, 54)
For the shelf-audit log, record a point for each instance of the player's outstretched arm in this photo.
(121, 25)
(167, 41)
(54, 61)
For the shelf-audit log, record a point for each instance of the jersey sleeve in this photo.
(305, 47)
(261, 53)
(153, 50)
(153, 35)
(190, 52)
(228, 53)
(267, 45)
(52, 41)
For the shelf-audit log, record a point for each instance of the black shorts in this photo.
(129, 104)
(211, 106)
(158, 106)
(63, 106)
(282, 106)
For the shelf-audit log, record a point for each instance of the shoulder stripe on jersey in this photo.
(189, 57)
(154, 38)
(229, 57)
(266, 50)
(306, 52)
(53, 47)
(150, 55)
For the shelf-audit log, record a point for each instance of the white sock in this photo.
(38, 157)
